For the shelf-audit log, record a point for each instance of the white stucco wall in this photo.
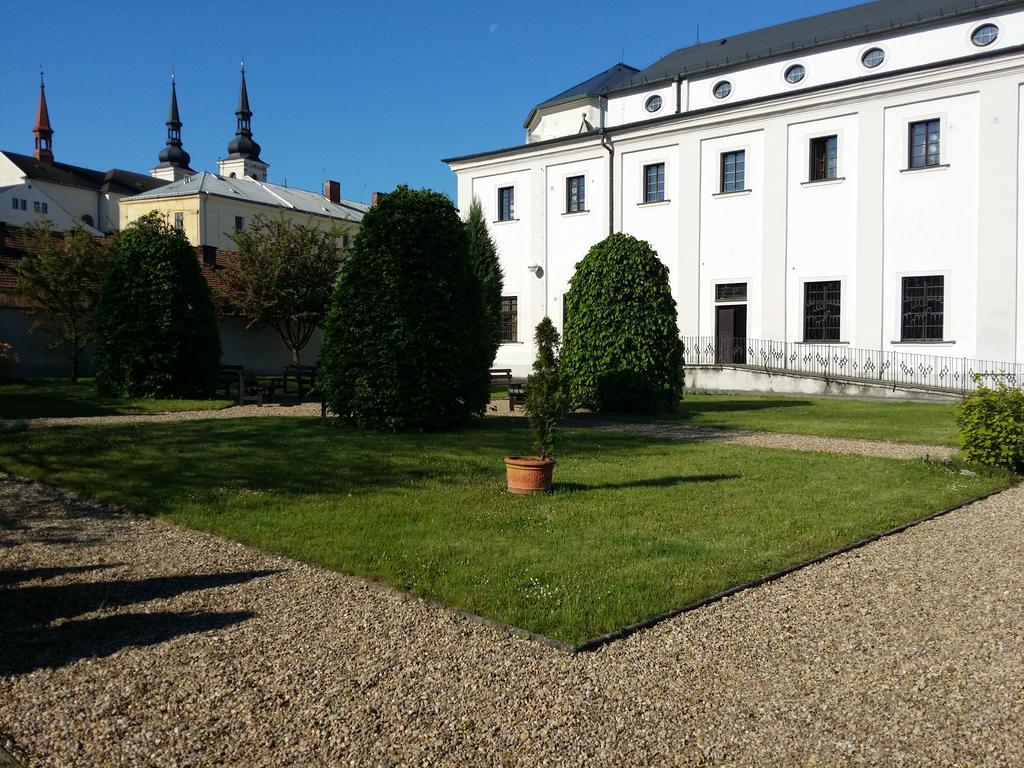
(867, 229)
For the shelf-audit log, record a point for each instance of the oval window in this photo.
(796, 73)
(984, 35)
(722, 89)
(653, 104)
(873, 58)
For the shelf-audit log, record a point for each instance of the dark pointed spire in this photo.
(173, 153)
(243, 144)
(42, 129)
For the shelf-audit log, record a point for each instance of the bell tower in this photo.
(42, 130)
(243, 152)
(173, 158)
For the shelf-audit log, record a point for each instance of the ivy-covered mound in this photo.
(407, 343)
(156, 329)
(621, 349)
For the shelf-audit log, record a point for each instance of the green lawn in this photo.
(635, 528)
(897, 421)
(38, 398)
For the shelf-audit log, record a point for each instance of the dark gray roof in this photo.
(595, 86)
(114, 180)
(825, 29)
(867, 19)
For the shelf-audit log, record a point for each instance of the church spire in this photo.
(42, 129)
(243, 158)
(243, 145)
(174, 159)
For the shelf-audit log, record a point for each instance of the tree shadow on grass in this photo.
(35, 635)
(658, 482)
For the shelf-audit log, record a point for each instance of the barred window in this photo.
(734, 171)
(654, 183)
(506, 204)
(239, 223)
(731, 292)
(925, 143)
(575, 194)
(824, 158)
(923, 308)
(179, 220)
(822, 303)
(509, 319)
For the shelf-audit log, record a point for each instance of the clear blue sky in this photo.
(372, 94)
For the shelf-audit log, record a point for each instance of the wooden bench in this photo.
(501, 374)
(234, 378)
(516, 396)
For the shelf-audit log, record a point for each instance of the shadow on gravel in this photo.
(30, 519)
(18, 575)
(657, 482)
(32, 641)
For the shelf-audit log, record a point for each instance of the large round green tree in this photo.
(156, 328)
(621, 349)
(407, 343)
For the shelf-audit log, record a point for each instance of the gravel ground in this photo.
(500, 408)
(770, 439)
(128, 641)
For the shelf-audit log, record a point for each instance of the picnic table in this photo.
(236, 382)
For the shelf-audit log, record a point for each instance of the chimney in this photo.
(210, 255)
(376, 197)
(332, 190)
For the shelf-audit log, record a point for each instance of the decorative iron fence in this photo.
(957, 374)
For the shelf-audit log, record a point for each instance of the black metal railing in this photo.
(839, 361)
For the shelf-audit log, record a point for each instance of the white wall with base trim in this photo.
(726, 378)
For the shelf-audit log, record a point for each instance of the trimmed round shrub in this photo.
(621, 349)
(156, 328)
(407, 343)
(991, 425)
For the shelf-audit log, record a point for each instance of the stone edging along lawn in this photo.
(595, 643)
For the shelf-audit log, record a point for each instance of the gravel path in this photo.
(500, 408)
(770, 439)
(909, 651)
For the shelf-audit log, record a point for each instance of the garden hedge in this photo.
(621, 349)
(155, 324)
(407, 343)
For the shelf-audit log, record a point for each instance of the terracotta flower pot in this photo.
(529, 474)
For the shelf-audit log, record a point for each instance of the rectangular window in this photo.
(824, 158)
(45, 207)
(575, 195)
(24, 204)
(923, 308)
(179, 221)
(731, 292)
(506, 203)
(654, 183)
(925, 144)
(14, 203)
(821, 310)
(35, 206)
(345, 240)
(239, 223)
(734, 171)
(509, 319)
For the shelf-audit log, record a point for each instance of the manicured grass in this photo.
(895, 421)
(40, 398)
(636, 526)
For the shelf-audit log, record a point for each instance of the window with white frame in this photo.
(506, 203)
(734, 171)
(923, 308)
(654, 183)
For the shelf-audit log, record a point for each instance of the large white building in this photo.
(851, 178)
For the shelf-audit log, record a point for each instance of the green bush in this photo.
(156, 329)
(545, 400)
(991, 425)
(621, 329)
(407, 344)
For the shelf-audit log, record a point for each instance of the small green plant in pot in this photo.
(545, 403)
